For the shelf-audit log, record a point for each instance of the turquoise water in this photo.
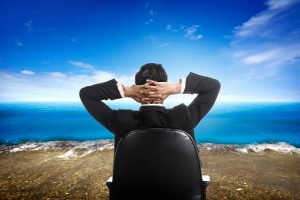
(230, 123)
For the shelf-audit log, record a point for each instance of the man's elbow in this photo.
(217, 85)
(83, 92)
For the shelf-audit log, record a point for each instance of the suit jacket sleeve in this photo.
(92, 96)
(207, 89)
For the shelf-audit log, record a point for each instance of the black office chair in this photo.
(157, 163)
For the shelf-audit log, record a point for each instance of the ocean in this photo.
(36, 124)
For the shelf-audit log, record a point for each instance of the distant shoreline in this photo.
(84, 148)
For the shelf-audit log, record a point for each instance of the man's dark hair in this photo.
(151, 71)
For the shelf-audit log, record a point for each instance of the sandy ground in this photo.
(41, 175)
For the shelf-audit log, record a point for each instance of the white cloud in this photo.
(52, 86)
(151, 14)
(256, 25)
(57, 74)
(190, 32)
(170, 27)
(28, 25)
(274, 56)
(252, 26)
(81, 64)
(279, 4)
(269, 40)
(57, 86)
(27, 72)
(260, 57)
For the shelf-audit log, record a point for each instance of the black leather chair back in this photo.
(156, 163)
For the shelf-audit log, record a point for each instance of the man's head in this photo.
(151, 71)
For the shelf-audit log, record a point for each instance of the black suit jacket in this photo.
(122, 121)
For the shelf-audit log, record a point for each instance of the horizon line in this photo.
(124, 103)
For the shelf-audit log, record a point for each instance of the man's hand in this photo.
(157, 92)
(152, 91)
(134, 92)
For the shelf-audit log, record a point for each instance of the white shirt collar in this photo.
(152, 104)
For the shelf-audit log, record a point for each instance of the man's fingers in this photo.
(152, 87)
(149, 81)
(152, 82)
(145, 86)
(149, 92)
(145, 99)
(155, 95)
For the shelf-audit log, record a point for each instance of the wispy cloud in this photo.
(51, 86)
(157, 41)
(190, 32)
(150, 14)
(28, 25)
(274, 56)
(171, 28)
(27, 72)
(149, 21)
(164, 44)
(81, 64)
(18, 43)
(261, 23)
(74, 39)
(269, 40)
(57, 74)
(59, 86)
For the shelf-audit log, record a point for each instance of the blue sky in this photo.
(50, 49)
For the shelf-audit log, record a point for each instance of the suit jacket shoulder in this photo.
(126, 121)
(181, 116)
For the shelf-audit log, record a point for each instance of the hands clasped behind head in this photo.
(150, 92)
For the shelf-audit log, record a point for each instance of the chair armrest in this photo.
(110, 187)
(109, 182)
(205, 183)
(109, 179)
(205, 180)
